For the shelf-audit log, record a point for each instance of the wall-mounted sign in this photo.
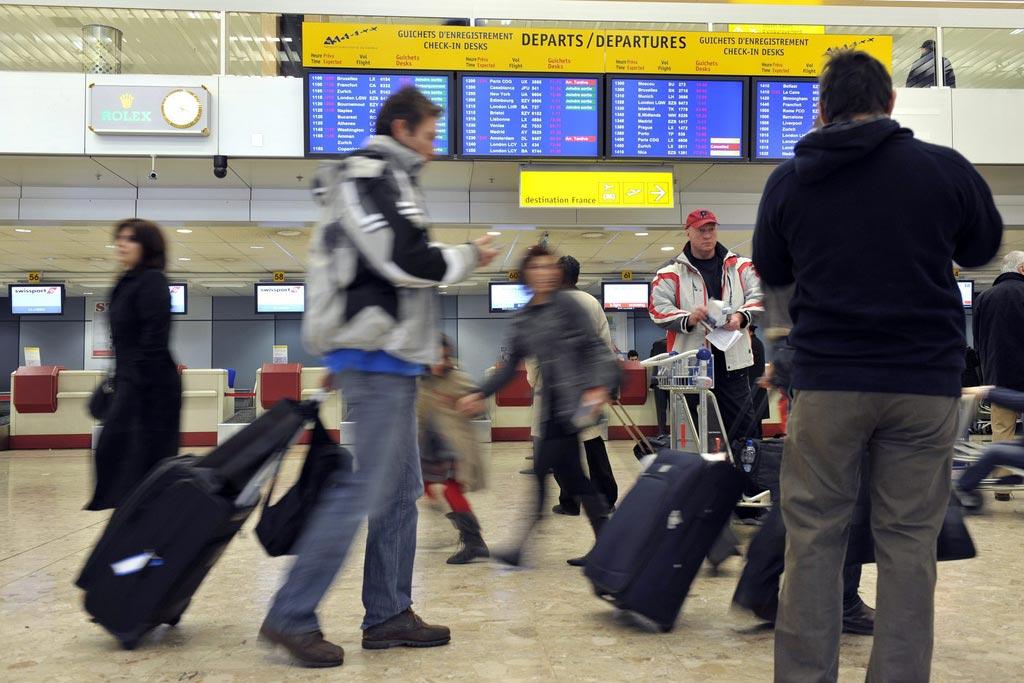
(596, 189)
(34, 277)
(149, 110)
(626, 275)
(280, 354)
(513, 275)
(802, 29)
(32, 357)
(552, 50)
(278, 276)
(102, 344)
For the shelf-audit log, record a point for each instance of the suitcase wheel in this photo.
(174, 622)
(129, 643)
(665, 628)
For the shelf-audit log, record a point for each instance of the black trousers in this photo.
(557, 451)
(661, 408)
(732, 392)
(601, 477)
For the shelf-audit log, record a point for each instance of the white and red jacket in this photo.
(678, 288)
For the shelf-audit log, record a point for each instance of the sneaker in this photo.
(859, 621)
(308, 649)
(405, 630)
(561, 510)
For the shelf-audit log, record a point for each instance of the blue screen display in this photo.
(342, 107)
(530, 116)
(663, 118)
(785, 111)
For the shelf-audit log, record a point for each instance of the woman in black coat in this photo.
(141, 428)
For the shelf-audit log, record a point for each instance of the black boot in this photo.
(596, 508)
(471, 542)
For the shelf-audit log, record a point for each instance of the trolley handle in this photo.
(663, 359)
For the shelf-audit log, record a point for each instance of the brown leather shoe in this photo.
(308, 649)
(405, 630)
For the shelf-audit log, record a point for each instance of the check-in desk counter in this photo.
(49, 407)
(203, 405)
(290, 380)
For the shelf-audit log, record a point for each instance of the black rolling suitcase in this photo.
(160, 544)
(649, 552)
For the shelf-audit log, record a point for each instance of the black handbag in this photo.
(282, 523)
(954, 541)
(102, 398)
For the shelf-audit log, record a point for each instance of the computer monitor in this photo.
(280, 297)
(506, 297)
(39, 299)
(625, 296)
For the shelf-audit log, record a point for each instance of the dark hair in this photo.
(632, 352)
(534, 252)
(570, 270)
(409, 105)
(446, 343)
(150, 237)
(928, 45)
(853, 83)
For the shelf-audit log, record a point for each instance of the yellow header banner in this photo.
(589, 189)
(458, 48)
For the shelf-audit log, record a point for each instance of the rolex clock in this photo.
(127, 109)
(181, 108)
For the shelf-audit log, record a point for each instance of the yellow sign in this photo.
(513, 275)
(278, 276)
(34, 278)
(800, 29)
(569, 50)
(626, 275)
(596, 189)
(32, 357)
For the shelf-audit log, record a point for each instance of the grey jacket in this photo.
(372, 269)
(571, 355)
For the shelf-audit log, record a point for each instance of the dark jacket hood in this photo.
(1007, 276)
(825, 150)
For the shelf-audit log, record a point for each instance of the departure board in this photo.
(676, 118)
(341, 108)
(784, 111)
(530, 116)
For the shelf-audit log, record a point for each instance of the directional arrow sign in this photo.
(596, 189)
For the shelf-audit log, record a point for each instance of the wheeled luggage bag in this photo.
(651, 549)
(161, 543)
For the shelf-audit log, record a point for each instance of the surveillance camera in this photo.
(220, 166)
(153, 175)
(152, 167)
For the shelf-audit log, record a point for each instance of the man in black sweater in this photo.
(867, 220)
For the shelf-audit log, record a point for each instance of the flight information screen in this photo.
(784, 111)
(530, 116)
(341, 108)
(676, 118)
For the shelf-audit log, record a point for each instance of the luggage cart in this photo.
(693, 373)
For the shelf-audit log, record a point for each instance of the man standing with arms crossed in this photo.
(867, 220)
(373, 313)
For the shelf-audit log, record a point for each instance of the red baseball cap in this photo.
(701, 217)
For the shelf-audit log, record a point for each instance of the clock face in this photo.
(182, 108)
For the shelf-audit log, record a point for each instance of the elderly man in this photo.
(706, 270)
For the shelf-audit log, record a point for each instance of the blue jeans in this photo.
(384, 487)
(1004, 453)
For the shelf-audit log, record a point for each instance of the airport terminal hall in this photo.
(548, 340)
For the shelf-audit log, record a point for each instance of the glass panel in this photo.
(271, 44)
(985, 57)
(906, 44)
(109, 40)
(610, 25)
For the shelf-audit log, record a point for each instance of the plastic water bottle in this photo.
(748, 456)
(703, 378)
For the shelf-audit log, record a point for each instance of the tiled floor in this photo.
(538, 624)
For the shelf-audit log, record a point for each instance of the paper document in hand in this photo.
(722, 338)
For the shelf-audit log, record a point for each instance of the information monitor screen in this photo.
(280, 297)
(676, 118)
(515, 115)
(966, 292)
(342, 107)
(36, 299)
(507, 297)
(784, 112)
(179, 298)
(625, 296)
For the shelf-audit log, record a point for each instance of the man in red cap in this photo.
(680, 293)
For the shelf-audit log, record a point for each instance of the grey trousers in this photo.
(908, 441)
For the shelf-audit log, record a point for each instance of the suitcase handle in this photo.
(632, 429)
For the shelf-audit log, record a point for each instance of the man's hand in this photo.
(484, 250)
(471, 404)
(765, 381)
(734, 322)
(597, 396)
(979, 393)
(696, 317)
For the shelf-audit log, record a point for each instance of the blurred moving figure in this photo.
(922, 71)
(449, 450)
(878, 354)
(374, 314)
(577, 371)
(1009, 453)
(141, 426)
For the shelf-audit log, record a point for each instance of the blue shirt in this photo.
(371, 361)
